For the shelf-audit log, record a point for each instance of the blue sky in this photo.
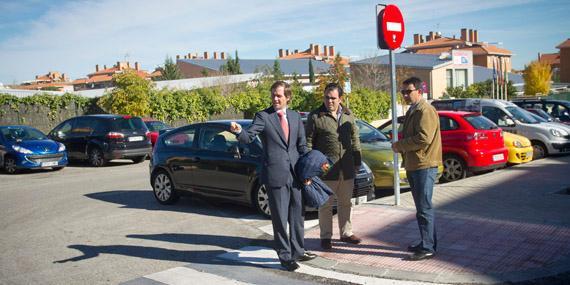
(72, 36)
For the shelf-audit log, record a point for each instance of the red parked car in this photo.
(154, 126)
(471, 143)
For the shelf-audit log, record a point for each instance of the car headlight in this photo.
(517, 144)
(388, 164)
(558, 132)
(61, 147)
(366, 167)
(21, 149)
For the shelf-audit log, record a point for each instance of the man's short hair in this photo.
(416, 81)
(332, 86)
(285, 85)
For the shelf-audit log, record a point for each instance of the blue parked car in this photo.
(23, 147)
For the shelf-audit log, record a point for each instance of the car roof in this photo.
(541, 100)
(106, 116)
(456, 113)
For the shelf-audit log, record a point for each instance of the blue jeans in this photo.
(421, 182)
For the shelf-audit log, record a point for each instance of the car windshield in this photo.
(521, 115)
(155, 126)
(129, 123)
(538, 118)
(368, 133)
(541, 114)
(22, 134)
(480, 123)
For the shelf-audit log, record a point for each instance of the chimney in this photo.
(539, 56)
(464, 34)
(185, 57)
(63, 77)
(437, 35)
(189, 56)
(311, 48)
(281, 53)
(470, 35)
(416, 39)
(296, 51)
(331, 51)
(326, 51)
(223, 55)
(118, 65)
(128, 64)
(206, 56)
(287, 52)
(105, 66)
(37, 76)
(96, 68)
(215, 55)
(431, 36)
(422, 39)
(177, 57)
(137, 66)
(475, 36)
(317, 50)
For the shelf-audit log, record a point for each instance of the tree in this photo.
(170, 70)
(232, 66)
(311, 72)
(537, 78)
(338, 72)
(277, 73)
(130, 96)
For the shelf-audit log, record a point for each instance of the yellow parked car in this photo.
(519, 147)
(378, 155)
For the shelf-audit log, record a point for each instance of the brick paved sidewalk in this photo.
(471, 250)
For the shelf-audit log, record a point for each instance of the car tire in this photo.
(139, 159)
(538, 150)
(163, 188)
(454, 168)
(261, 200)
(57, 168)
(96, 157)
(10, 165)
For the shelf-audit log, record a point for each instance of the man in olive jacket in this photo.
(421, 152)
(331, 129)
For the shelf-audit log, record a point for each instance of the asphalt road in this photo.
(85, 225)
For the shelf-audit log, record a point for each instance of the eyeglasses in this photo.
(407, 91)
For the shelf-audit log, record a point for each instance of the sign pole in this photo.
(394, 127)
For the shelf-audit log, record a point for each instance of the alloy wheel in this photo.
(162, 187)
(96, 158)
(538, 151)
(10, 165)
(453, 169)
(262, 200)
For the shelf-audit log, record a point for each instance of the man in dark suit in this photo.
(283, 137)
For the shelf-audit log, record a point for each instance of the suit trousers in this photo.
(286, 207)
(421, 182)
(342, 189)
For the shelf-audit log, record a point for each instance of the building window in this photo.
(449, 77)
(461, 77)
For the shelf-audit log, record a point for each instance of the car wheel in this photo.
(96, 157)
(10, 165)
(163, 189)
(261, 200)
(139, 159)
(57, 168)
(453, 168)
(538, 150)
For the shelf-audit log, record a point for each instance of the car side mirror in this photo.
(236, 152)
(510, 122)
(60, 134)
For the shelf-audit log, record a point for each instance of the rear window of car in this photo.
(480, 123)
(155, 126)
(128, 124)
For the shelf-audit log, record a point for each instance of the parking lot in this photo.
(87, 225)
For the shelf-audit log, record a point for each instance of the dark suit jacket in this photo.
(279, 156)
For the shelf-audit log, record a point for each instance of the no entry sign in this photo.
(390, 26)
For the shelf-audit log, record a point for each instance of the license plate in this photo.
(498, 157)
(49, 163)
(136, 139)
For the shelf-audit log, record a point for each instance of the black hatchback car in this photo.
(101, 138)
(207, 159)
(559, 109)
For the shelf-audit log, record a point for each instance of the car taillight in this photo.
(147, 134)
(115, 135)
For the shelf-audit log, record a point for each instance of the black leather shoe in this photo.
(414, 248)
(421, 255)
(326, 243)
(290, 265)
(307, 256)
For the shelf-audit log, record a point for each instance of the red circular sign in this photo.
(391, 27)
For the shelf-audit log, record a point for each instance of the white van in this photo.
(546, 138)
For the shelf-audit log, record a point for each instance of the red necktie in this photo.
(284, 124)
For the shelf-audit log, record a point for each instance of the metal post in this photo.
(395, 128)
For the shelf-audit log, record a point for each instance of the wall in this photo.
(565, 65)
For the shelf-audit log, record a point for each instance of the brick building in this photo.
(103, 78)
(53, 80)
